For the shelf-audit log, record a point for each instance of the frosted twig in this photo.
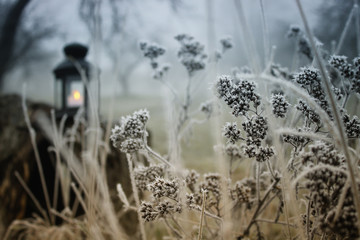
(31, 195)
(246, 232)
(202, 214)
(129, 158)
(157, 156)
(122, 195)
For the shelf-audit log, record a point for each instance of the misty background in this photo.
(113, 29)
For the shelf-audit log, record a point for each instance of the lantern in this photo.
(70, 91)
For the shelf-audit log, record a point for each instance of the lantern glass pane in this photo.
(74, 92)
(58, 94)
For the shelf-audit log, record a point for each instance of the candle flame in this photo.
(76, 95)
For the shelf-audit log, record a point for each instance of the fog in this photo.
(154, 21)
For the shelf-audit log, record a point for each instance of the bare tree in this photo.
(119, 44)
(119, 40)
(19, 43)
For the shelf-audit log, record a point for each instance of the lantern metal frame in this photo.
(68, 72)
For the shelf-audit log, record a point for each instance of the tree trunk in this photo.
(8, 35)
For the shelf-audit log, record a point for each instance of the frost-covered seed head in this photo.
(294, 31)
(264, 154)
(352, 126)
(320, 152)
(190, 200)
(147, 211)
(129, 136)
(164, 188)
(191, 179)
(233, 150)
(143, 115)
(304, 46)
(218, 55)
(237, 94)
(223, 86)
(307, 76)
(337, 93)
(256, 127)
(151, 50)
(355, 85)
(231, 132)
(212, 186)
(131, 145)
(278, 71)
(146, 175)
(295, 140)
(207, 108)
(240, 193)
(226, 43)
(355, 82)
(340, 63)
(280, 105)
(116, 136)
(132, 127)
(250, 150)
(165, 208)
(310, 114)
(325, 185)
(161, 71)
(191, 53)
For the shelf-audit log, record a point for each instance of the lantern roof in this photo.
(73, 52)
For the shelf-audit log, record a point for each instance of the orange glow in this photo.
(76, 95)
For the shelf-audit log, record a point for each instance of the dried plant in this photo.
(298, 137)
(316, 169)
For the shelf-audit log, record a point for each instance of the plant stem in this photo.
(209, 214)
(157, 156)
(278, 222)
(174, 231)
(268, 164)
(136, 195)
(202, 215)
(31, 195)
(246, 232)
(268, 202)
(258, 182)
(344, 32)
(346, 98)
(308, 220)
(250, 48)
(357, 25)
(230, 166)
(184, 113)
(179, 226)
(172, 90)
(265, 33)
(341, 200)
